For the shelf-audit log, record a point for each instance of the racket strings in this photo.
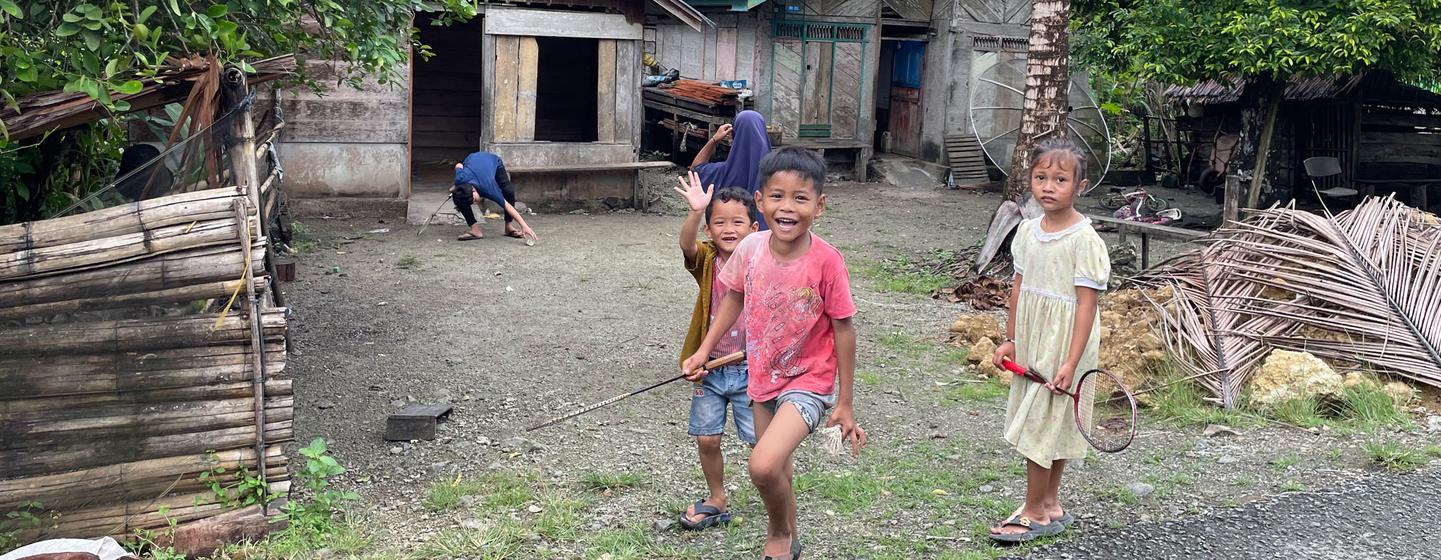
(1106, 416)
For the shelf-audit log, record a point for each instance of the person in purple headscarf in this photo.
(742, 166)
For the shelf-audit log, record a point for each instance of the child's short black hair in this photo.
(732, 194)
(800, 161)
(1063, 145)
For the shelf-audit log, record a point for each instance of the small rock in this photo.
(469, 501)
(1227, 460)
(1433, 424)
(472, 523)
(520, 444)
(1140, 489)
(1215, 430)
(986, 488)
(396, 450)
(662, 525)
(534, 508)
(482, 440)
(325, 405)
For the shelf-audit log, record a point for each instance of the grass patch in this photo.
(1244, 481)
(1292, 486)
(1392, 456)
(299, 541)
(849, 491)
(904, 275)
(502, 539)
(560, 519)
(408, 262)
(904, 344)
(630, 543)
(1367, 407)
(870, 378)
(956, 357)
(1183, 403)
(983, 391)
(1285, 462)
(1120, 495)
(446, 494)
(611, 481)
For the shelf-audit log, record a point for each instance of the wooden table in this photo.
(1145, 230)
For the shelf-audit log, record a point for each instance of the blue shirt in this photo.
(479, 171)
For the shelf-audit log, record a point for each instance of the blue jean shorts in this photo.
(723, 386)
(812, 406)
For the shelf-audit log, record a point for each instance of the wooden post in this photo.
(242, 136)
(1231, 211)
(257, 337)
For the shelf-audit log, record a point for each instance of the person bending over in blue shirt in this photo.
(482, 176)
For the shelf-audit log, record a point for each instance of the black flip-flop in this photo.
(1033, 530)
(795, 553)
(468, 237)
(712, 516)
(515, 234)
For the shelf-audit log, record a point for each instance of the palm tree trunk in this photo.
(1048, 78)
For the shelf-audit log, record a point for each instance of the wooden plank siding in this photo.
(507, 82)
(525, 89)
(786, 91)
(556, 23)
(726, 54)
(627, 92)
(847, 92)
(605, 92)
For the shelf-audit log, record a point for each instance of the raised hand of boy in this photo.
(697, 197)
(694, 367)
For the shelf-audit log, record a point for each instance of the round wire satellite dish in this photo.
(997, 99)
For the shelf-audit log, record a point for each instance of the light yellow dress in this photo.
(1041, 425)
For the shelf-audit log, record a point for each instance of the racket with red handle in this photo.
(1105, 409)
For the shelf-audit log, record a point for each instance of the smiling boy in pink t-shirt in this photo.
(800, 340)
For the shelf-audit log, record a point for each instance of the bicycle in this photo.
(1116, 199)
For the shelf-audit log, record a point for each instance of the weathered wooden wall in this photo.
(946, 98)
(447, 93)
(348, 143)
(728, 52)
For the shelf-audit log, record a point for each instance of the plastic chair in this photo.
(1322, 167)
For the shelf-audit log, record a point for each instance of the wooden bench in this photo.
(589, 167)
(1145, 230)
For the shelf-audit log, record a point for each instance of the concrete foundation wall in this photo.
(348, 143)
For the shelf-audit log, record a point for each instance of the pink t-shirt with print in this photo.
(790, 343)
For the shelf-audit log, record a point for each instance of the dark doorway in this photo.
(565, 89)
(446, 93)
(907, 64)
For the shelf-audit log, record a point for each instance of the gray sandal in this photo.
(1065, 519)
(711, 516)
(1033, 530)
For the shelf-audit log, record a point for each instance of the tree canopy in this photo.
(106, 47)
(100, 47)
(1185, 41)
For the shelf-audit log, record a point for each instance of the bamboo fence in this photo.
(139, 348)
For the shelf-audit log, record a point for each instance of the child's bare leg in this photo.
(770, 471)
(1038, 481)
(1052, 503)
(712, 464)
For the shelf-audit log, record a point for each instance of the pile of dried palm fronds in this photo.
(1362, 287)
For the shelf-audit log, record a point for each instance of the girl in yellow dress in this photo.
(1061, 268)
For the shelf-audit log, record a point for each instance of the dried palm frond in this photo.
(1363, 287)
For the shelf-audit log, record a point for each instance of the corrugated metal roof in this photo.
(1301, 89)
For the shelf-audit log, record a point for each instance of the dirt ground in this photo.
(512, 335)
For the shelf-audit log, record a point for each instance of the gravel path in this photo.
(511, 335)
(1378, 517)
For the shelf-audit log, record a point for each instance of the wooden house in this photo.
(854, 76)
(1385, 134)
(552, 87)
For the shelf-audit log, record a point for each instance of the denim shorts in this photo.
(812, 406)
(723, 386)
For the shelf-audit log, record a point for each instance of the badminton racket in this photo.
(1105, 409)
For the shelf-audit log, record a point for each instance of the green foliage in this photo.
(28, 515)
(315, 476)
(1184, 41)
(108, 49)
(1393, 456)
(611, 481)
(247, 489)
